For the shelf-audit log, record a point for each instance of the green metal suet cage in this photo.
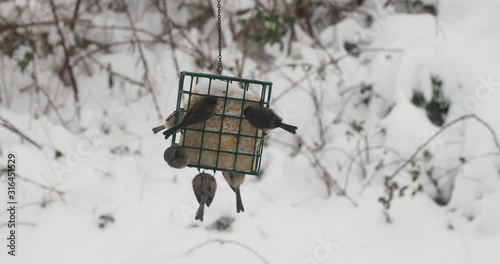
(226, 142)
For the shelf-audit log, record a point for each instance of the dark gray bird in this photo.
(169, 122)
(200, 111)
(265, 118)
(204, 187)
(176, 156)
(235, 180)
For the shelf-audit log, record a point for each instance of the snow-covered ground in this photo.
(288, 218)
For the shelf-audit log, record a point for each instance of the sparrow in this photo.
(176, 156)
(235, 180)
(204, 187)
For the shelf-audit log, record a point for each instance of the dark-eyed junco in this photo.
(204, 187)
(235, 180)
(265, 118)
(176, 156)
(200, 111)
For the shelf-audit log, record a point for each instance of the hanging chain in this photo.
(220, 36)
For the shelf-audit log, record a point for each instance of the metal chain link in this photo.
(220, 36)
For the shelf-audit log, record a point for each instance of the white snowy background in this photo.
(112, 166)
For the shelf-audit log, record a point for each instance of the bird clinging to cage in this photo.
(204, 187)
(265, 118)
(176, 156)
(201, 110)
(235, 180)
(169, 122)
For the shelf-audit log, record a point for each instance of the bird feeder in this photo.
(226, 142)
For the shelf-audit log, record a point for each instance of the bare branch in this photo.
(67, 54)
(440, 131)
(122, 28)
(224, 241)
(114, 73)
(44, 92)
(330, 182)
(42, 186)
(65, 21)
(466, 161)
(53, 106)
(14, 129)
(169, 24)
(75, 14)
(146, 79)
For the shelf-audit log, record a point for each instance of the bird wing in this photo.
(198, 196)
(211, 189)
(178, 152)
(209, 201)
(272, 111)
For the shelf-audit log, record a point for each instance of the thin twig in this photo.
(108, 46)
(65, 21)
(327, 177)
(155, 37)
(224, 241)
(75, 14)
(146, 79)
(44, 92)
(466, 161)
(14, 129)
(40, 185)
(195, 47)
(297, 83)
(67, 56)
(377, 171)
(318, 106)
(114, 73)
(349, 166)
(168, 22)
(490, 129)
(443, 128)
(53, 106)
(45, 187)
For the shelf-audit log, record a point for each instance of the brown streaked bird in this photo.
(176, 156)
(200, 111)
(235, 180)
(265, 118)
(169, 122)
(204, 187)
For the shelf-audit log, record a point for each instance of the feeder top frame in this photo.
(224, 78)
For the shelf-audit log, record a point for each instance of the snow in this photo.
(289, 218)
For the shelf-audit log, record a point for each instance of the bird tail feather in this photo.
(200, 212)
(289, 128)
(172, 130)
(239, 203)
(158, 128)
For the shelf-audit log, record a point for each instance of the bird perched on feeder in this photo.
(204, 187)
(235, 180)
(265, 118)
(169, 122)
(176, 156)
(201, 110)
